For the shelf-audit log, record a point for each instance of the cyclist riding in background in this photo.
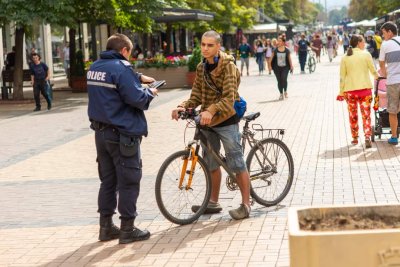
(216, 88)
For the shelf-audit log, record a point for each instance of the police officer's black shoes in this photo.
(108, 230)
(130, 233)
(37, 109)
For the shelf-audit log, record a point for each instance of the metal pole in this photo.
(326, 12)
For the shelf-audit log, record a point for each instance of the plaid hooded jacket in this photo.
(216, 96)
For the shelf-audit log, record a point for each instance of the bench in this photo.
(7, 76)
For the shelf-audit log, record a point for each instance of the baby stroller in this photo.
(382, 125)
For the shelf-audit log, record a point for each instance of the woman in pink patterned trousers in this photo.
(356, 85)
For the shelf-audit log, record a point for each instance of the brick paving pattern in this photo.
(49, 184)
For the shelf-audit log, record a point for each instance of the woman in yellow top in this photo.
(356, 85)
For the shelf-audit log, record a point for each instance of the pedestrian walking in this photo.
(389, 62)
(324, 40)
(116, 110)
(260, 57)
(244, 51)
(346, 43)
(282, 64)
(268, 54)
(303, 45)
(317, 47)
(378, 41)
(215, 89)
(39, 78)
(66, 58)
(330, 47)
(371, 47)
(355, 86)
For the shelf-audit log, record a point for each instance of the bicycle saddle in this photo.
(252, 116)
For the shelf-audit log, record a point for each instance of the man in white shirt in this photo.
(66, 57)
(389, 62)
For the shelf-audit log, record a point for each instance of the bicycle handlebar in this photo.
(190, 114)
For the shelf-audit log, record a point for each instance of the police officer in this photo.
(117, 102)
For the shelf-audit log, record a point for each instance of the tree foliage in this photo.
(228, 13)
(299, 11)
(336, 15)
(369, 9)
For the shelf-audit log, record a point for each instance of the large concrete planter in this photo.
(175, 77)
(352, 248)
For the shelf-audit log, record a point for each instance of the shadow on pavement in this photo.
(164, 241)
(377, 152)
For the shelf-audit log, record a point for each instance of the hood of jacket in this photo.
(224, 59)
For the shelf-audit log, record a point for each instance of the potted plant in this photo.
(172, 69)
(78, 76)
(193, 61)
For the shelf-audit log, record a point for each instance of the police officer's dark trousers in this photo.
(119, 173)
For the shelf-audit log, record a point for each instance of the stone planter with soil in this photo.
(345, 236)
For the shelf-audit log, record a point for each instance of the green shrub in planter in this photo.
(195, 58)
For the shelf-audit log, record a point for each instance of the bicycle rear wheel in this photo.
(271, 169)
(311, 64)
(175, 202)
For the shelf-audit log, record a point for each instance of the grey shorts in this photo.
(393, 97)
(230, 138)
(244, 61)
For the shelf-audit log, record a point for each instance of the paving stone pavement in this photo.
(49, 184)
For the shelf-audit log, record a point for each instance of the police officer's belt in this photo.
(97, 125)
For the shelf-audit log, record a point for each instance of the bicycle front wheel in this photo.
(311, 64)
(176, 194)
(271, 169)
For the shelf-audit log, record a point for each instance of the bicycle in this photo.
(184, 179)
(311, 61)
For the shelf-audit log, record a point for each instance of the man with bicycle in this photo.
(216, 88)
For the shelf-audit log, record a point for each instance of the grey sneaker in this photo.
(240, 213)
(211, 208)
(281, 97)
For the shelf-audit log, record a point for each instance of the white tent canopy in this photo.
(363, 23)
(265, 28)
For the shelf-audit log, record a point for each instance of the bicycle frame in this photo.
(199, 137)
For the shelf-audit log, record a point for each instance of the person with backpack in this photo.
(39, 78)
(303, 45)
(215, 89)
(389, 62)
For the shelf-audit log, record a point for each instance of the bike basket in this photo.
(268, 133)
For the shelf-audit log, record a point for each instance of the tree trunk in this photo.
(18, 89)
(167, 50)
(72, 54)
(93, 41)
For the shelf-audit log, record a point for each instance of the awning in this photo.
(182, 14)
(265, 28)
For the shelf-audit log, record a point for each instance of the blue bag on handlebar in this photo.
(240, 107)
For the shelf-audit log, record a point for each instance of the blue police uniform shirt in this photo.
(116, 95)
